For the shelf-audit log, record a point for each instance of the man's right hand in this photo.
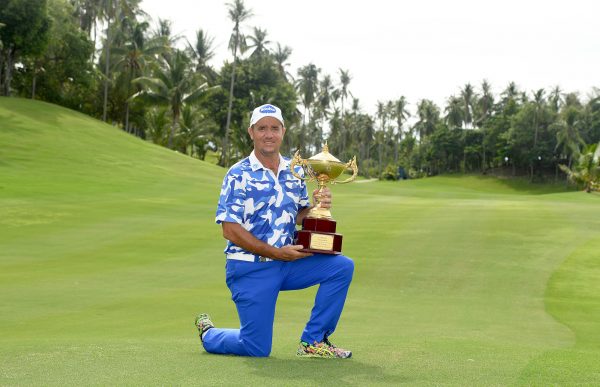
(291, 253)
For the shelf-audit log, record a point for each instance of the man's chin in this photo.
(268, 151)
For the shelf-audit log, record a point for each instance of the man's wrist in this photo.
(273, 252)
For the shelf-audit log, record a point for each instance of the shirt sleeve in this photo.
(231, 200)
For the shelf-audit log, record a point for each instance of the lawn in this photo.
(108, 250)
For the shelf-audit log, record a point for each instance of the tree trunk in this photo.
(225, 153)
(127, 100)
(33, 81)
(8, 70)
(106, 71)
(2, 61)
(127, 117)
(380, 160)
(483, 166)
(95, 37)
(397, 140)
(172, 131)
(569, 165)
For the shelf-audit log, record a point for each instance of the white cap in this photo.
(266, 111)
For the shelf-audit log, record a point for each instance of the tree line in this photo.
(108, 59)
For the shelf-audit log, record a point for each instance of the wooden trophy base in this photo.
(319, 236)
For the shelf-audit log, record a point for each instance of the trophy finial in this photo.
(326, 147)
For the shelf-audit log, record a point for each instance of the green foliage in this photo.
(24, 34)
(25, 25)
(258, 81)
(175, 85)
(389, 173)
(62, 73)
(586, 172)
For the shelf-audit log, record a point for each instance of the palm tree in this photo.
(133, 57)
(539, 102)
(367, 133)
(238, 13)
(345, 79)
(174, 85)
(325, 97)
(468, 95)
(555, 98)
(163, 36)
(568, 139)
(484, 105)
(587, 170)
(539, 105)
(322, 107)
(307, 85)
(511, 92)
(382, 114)
(259, 42)
(111, 11)
(454, 112)
(190, 129)
(88, 12)
(157, 125)
(201, 52)
(401, 114)
(429, 115)
(281, 55)
(107, 12)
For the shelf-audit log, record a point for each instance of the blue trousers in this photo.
(254, 289)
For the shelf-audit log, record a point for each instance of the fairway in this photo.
(108, 250)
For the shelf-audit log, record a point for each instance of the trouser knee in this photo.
(258, 349)
(346, 267)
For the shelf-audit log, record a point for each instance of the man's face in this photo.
(267, 135)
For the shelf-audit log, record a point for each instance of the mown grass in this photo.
(108, 250)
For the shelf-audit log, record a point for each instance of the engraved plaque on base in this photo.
(319, 236)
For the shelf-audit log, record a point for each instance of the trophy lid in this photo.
(325, 155)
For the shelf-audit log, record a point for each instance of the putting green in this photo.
(108, 250)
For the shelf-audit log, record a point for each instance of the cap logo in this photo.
(268, 109)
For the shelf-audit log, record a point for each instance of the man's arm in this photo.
(241, 237)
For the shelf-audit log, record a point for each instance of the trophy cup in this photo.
(318, 227)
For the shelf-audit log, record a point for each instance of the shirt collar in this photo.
(255, 163)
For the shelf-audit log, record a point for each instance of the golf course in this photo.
(108, 251)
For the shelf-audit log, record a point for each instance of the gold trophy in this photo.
(318, 227)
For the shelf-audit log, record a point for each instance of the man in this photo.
(260, 204)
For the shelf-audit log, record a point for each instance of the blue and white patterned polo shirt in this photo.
(264, 204)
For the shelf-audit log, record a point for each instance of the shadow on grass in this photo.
(321, 371)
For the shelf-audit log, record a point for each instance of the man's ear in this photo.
(250, 132)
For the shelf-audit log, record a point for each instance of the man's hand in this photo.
(244, 239)
(291, 253)
(324, 196)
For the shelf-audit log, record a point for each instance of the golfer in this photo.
(260, 204)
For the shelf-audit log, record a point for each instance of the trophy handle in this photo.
(297, 160)
(351, 165)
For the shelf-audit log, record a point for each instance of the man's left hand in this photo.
(324, 196)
